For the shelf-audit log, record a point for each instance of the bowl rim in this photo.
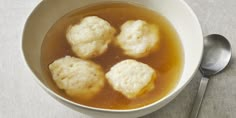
(53, 94)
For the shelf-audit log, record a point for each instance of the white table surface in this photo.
(21, 97)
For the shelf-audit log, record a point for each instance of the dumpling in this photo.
(138, 38)
(79, 78)
(91, 37)
(131, 78)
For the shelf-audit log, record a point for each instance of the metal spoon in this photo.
(216, 56)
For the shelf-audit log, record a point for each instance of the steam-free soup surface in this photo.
(167, 61)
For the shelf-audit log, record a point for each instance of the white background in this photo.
(21, 97)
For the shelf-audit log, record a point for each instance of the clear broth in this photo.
(167, 61)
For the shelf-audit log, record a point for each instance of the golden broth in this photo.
(167, 61)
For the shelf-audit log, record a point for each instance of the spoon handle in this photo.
(199, 97)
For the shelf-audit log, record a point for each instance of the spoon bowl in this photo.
(216, 56)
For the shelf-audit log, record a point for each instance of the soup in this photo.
(167, 60)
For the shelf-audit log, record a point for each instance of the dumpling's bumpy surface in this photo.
(138, 38)
(79, 78)
(90, 38)
(131, 78)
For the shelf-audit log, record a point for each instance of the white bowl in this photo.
(176, 11)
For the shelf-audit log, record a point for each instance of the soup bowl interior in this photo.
(177, 12)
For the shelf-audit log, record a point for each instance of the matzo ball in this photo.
(79, 78)
(131, 78)
(90, 38)
(138, 38)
